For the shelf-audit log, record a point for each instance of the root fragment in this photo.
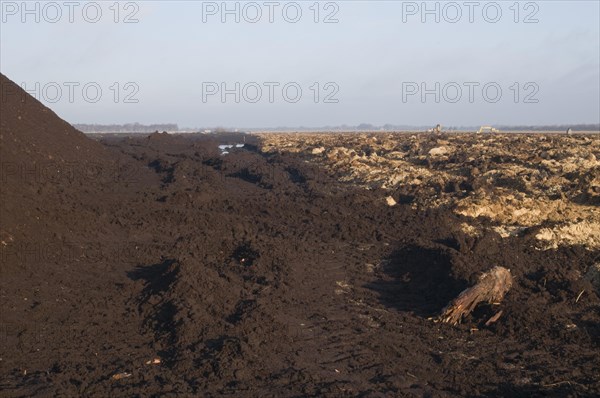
(491, 288)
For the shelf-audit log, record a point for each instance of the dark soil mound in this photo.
(48, 168)
(31, 132)
(253, 274)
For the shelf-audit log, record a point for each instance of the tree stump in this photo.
(491, 288)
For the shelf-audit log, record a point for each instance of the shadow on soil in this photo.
(418, 280)
(158, 310)
(565, 389)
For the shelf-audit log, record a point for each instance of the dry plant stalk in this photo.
(491, 288)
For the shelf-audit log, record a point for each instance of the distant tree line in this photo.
(126, 128)
(574, 127)
(561, 127)
(150, 128)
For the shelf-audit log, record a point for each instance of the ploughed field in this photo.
(516, 184)
(296, 265)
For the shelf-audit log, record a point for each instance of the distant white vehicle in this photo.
(569, 131)
(488, 129)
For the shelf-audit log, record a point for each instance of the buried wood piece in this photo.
(494, 318)
(491, 288)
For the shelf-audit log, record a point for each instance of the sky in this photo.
(307, 63)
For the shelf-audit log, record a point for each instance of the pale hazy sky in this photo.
(377, 58)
